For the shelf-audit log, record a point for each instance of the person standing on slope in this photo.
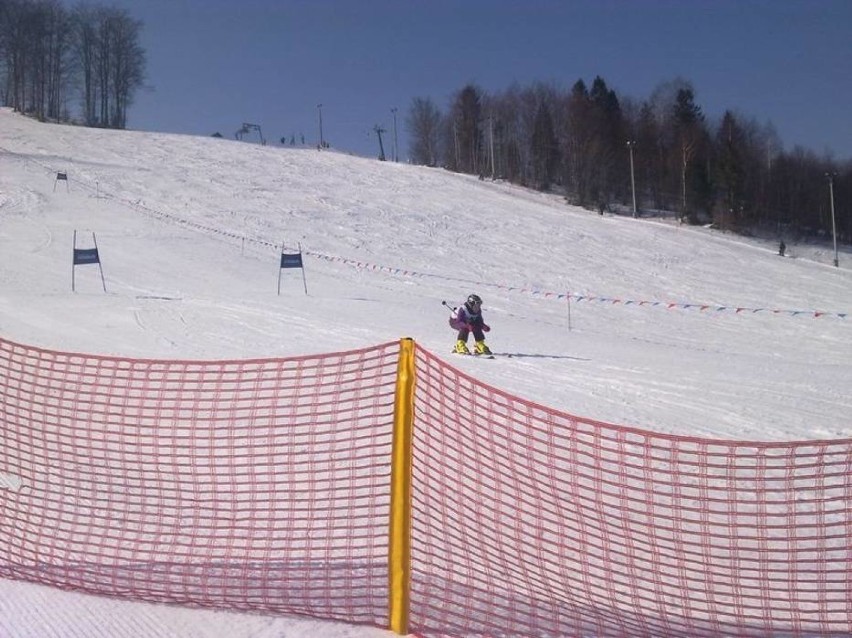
(468, 319)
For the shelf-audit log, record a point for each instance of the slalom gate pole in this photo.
(279, 268)
(73, 250)
(568, 296)
(301, 260)
(100, 268)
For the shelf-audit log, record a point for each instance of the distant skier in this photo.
(782, 248)
(469, 319)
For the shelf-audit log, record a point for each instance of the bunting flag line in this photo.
(669, 305)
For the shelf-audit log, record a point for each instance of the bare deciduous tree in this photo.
(424, 126)
(46, 52)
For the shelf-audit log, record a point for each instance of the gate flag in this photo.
(61, 177)
(292, 260)
(83, 256)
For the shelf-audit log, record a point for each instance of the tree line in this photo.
(55, 62)
(593, 146)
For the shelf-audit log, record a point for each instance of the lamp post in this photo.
(831, 177)
(321, 141)
(395, 148)
(491, 141)
(630, 145)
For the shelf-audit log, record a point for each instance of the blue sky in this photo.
(214, 64)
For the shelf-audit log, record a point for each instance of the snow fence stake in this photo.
(399, 537)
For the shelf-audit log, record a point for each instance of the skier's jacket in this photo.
(467, 319)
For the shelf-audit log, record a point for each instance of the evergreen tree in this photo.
(686, 112)
(577, 167)
(465, 128)
(650, 157)
(729, 170)
(544, 149)
(607, 147)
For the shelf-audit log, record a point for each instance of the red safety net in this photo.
(253, 485)
(532, 522)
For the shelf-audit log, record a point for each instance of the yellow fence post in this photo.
(399, 541)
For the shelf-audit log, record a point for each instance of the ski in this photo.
(473, 354)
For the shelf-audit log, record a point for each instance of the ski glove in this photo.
(458, 324)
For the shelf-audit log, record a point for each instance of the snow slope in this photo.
(190, 229)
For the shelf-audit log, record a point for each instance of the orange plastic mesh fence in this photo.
(253, 485)
(264, 485)
(532, 522)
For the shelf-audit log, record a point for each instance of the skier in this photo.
(468, 319)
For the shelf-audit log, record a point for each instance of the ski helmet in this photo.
(474, 300)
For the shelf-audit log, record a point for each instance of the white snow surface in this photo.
(190, 230)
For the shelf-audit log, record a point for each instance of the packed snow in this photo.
(641, 322)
